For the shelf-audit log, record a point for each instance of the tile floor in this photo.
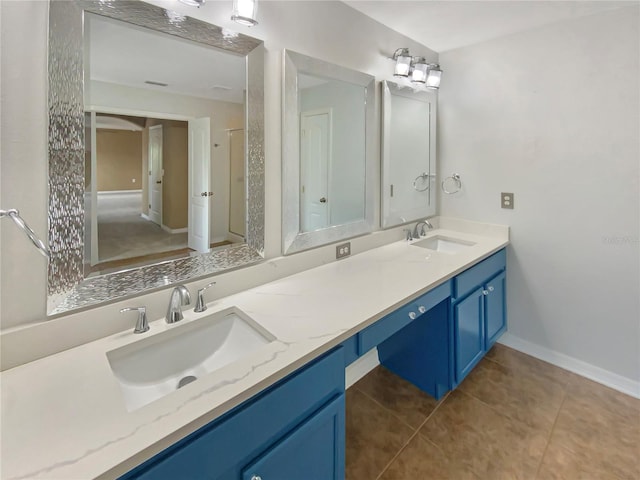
(513, 417)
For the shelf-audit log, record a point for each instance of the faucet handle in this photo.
(200, 305)
(141, 324)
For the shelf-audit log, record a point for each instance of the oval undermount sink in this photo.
(440, 243)
(157, 366)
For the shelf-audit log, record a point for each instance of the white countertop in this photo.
(64, 416)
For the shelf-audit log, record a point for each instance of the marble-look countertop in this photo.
(64, 416)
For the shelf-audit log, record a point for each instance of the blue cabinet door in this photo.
(468, 331)
(495, 309)
(313, 451)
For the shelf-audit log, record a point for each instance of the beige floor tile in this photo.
(605, 398)
(404, 399)
(521, 362)
(562, 464)
(523, 396)
(374, 436)
(421, 459)
(492, 445)
(585, 427)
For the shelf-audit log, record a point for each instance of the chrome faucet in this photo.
(179, 296)
(422, 232)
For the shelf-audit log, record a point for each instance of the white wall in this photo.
(330, 31)
(553, 115)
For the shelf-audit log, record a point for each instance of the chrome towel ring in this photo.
(425, 180)
(453, 180)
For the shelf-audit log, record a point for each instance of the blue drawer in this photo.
(477, 275)
(395, 321)
(222, 448)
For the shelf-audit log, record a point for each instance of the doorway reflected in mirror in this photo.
(143, 170)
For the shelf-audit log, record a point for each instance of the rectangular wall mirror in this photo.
(328, 165)
(408, 154)
(156, 166)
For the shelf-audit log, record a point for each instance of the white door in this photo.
(315, 160)
(199, 161)
(155, 174)
(236, 185)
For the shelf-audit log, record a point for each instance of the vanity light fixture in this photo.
(193, 3)
(416, 69)
(403, 62)
(244, 12)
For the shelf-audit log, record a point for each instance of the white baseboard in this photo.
(361, 367)
(597, 374)
(175, 230)
(145, 216)
(117, 192)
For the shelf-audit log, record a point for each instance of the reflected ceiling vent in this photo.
(157, 84)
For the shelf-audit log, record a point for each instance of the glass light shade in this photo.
(403, 62)
(433, 77)
(193, 3)
(244, 12)
(419, 73)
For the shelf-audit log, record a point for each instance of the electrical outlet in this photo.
(343, 250)
(506, 200)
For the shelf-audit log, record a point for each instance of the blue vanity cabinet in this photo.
(468, 333)
(479, 313)
(309, 452)
(300, 418)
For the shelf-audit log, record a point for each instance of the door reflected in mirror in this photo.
(165, 156)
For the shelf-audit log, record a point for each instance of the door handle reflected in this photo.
(206, 194)
(158, 181)
(323, 200)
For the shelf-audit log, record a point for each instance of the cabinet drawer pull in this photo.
(491, 289)
(256, 477)
(422, 309)
(412, 315)
(485, 292)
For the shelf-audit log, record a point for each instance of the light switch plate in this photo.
(506, 200)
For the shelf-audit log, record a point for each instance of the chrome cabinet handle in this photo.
(256, 477)
(141, 324)
(200, 305)
(491, 289)
(485, 292)
(422, 309)
(412, 315)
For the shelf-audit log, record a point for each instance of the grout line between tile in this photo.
(555, 421)
(386, 409)
(413, 435)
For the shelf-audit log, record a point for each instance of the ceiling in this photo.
(124, 54)
(446, 25)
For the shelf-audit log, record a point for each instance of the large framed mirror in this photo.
(408, 154)
(328, 164)
(156, 150)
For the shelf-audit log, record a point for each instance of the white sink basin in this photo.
(157, 366)
(443, 244)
